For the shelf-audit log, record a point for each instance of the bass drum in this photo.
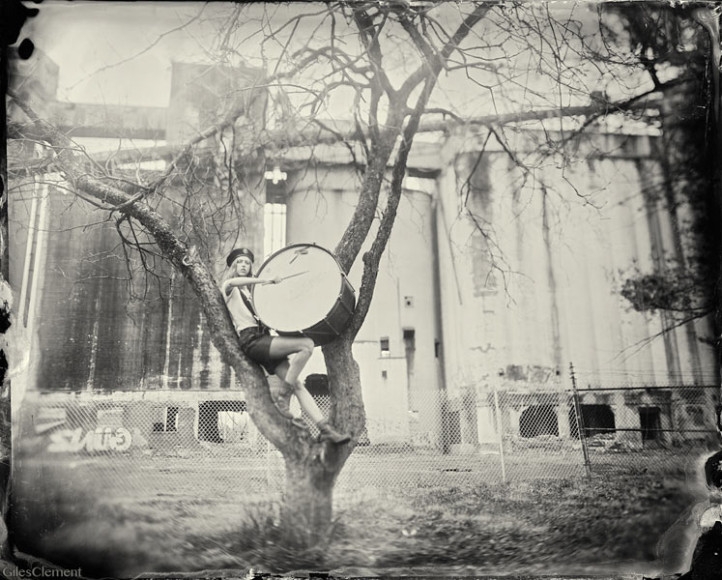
(313, 298)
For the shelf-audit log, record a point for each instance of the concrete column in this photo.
(469, 433)
(626, 417)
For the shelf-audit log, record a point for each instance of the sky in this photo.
(118, 52)
(121, 53)
(84, 37)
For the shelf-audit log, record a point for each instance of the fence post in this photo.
(500, 431)
(580, 423)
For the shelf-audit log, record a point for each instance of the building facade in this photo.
(496, 278)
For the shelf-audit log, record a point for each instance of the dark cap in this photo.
(239, 252)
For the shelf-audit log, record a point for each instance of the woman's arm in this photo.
(239, 281)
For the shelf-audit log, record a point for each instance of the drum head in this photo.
(312, 282)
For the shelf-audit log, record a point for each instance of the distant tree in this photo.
(678, 41)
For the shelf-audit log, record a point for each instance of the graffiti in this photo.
(100, 439)
(530, 373)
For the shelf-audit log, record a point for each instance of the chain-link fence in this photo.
(474, 435)
(441, 441)
(647, 426)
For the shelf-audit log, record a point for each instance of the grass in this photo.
(520, 528)
(184, 515)
(529, 526)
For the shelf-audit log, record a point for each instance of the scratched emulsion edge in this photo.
(13, 15)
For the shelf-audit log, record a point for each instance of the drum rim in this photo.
(300, 244)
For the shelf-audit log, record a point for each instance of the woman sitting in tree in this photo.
(280, 355)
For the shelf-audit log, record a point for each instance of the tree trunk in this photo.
(312, 470)
(709, 19)
(307, 508)
(344, 381)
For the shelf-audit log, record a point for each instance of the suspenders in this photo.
(252, 310)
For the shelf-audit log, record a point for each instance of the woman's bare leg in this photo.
(283, 400)
(299, 350)
(282, 393)
(307, 402)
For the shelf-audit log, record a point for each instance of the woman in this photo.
(280, 355)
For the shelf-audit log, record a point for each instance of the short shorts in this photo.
(256, 343)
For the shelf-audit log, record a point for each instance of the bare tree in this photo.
(390, 57)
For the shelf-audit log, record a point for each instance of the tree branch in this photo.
(365, 24)
(372, 258)
(315, 134)
(175, 251)
(434, 66)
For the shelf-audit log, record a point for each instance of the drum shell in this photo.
(331, 327)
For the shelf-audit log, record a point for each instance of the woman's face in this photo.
(243, 265)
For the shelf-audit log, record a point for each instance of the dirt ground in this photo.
(126, 515)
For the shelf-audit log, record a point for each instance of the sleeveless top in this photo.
(240, 314)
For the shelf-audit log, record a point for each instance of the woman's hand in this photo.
(274, 280)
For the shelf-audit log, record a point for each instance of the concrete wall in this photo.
(93, 326)
(88, 322)
(562, 240)
(400, 387)
(531, 266)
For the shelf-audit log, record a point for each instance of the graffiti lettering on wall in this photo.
(100, 439)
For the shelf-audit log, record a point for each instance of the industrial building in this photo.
(495, 279)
